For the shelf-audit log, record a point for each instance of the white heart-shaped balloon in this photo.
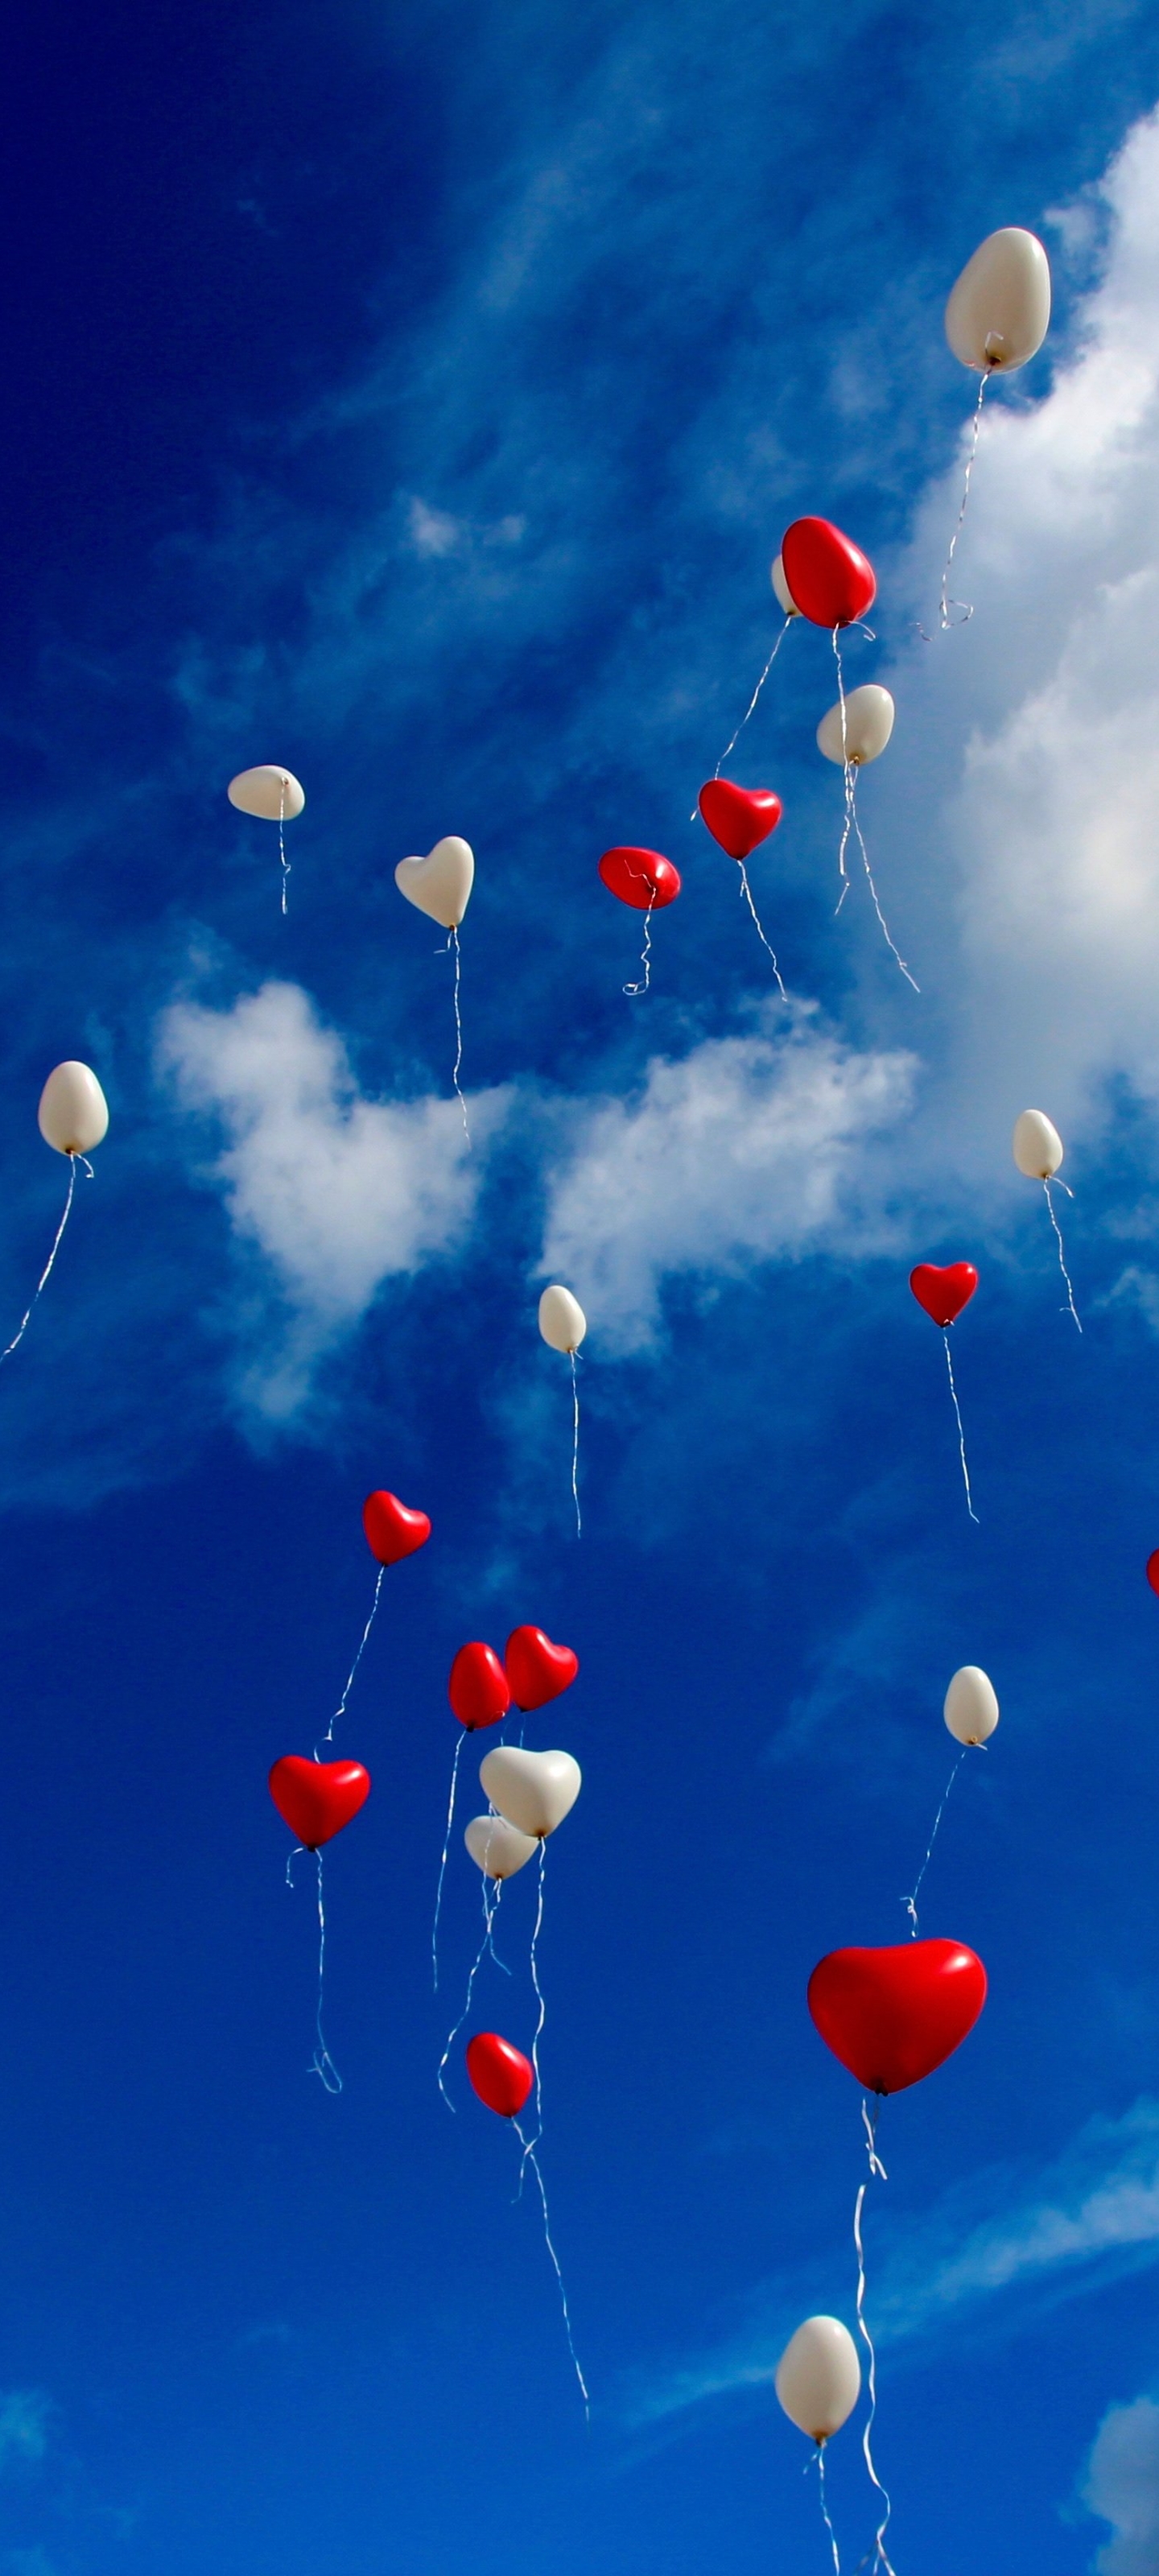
(273, 793)
(496, 1847)
(535, 1791)
(441, 883)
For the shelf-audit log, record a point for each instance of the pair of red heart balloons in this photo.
(481, 1689)
(502, 2075)
(891, 2016)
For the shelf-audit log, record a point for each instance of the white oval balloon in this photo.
(74, 1114)
(562, 1320)
(1037, 1145)
(998, 314)
(818, 2377)
(497, 1848)
(869, 713)
(535, 1791)
(781, 587)
(971, 1705)
(441, 883)
(271, 792)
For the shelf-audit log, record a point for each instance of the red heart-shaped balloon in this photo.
(478, 1690)
(392, 1529)
(317, 1798)
(831, 581)
(892, 2015)
(502, 2075)
(740, 818)
(537, 1670)
(641, 878)
(943, 1293)
(1153, 1569)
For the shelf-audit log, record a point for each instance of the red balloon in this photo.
(478, 1689)
(1153, 1569)
(943, 1293)
(317, 1798)
(641, 878)
(537, 1670)
(829, 578)
(501, 2075)
(892, 2015)
(392, 1529)
(740, 818)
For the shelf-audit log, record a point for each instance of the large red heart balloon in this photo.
(1153, 1569)
(501, 2075)
(537, 1670)
(740, 818)
(831, 581)
(892, 2015)
(641, 878)
(943, 1293)
(392, 1529)
(317, 1798)
(478, 1690)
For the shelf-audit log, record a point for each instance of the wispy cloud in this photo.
(1122, 2488)
(25, 2427)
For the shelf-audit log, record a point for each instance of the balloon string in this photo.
(340, 1711)
(910, 1902)
(747, 892)
(575, 1445)
(750, 709)
(825, 2506)
(529, 2146)
(1061, 1253)
(967, 608)
(490, 1910)
(646, 951)
(282, 844)
(443, 1862)
(876, 2168)
(453, 942)
(321, 2064)
(853, 824)
(538, 1988)
(958, 1419)
(73, 1160)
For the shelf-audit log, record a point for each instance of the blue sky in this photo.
(419, 398)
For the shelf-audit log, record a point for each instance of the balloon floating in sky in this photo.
(818, 2378)
(562, 1324)
(830, 580)
(73, 1117)
(740, 818)
(502, 2075)
(535, 1791)
(1153, 1569)
(781, 590)
(853, 733)
(440, 885)
(893, 2016)
(970, 1710)
(647, 881)
(480, 1695)
(997, 318)
(275, 796)
(537, 1670)
(316, 1800)
(1037, 1148)
(497, 1848)
(393, 1531)
(942, 1293)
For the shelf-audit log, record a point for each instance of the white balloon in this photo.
(533, 1790)
(269, 791)
(971, 1705)
(496, 1847)
(868, 725)
(562, 1320)
(781, 587)
(999, 311)
(441, 883)
(74, 1113)
(818, 2377)
(1037, 1145)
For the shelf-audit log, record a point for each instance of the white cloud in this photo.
(1122, 2488)
(25, 2419)
(337, 1193)
(745, 1149)
(432, 532)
